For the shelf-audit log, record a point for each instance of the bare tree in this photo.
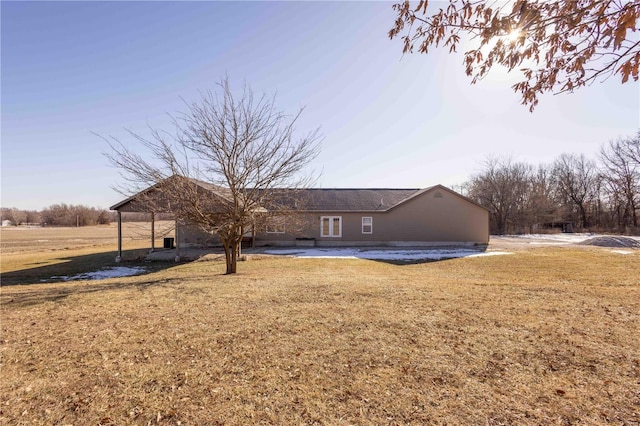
(621, 175)
(577, 183)
(502, 187)
(542, 207)
(631, 148)
(73, 215)
(20, 216)
(559, 45)
(233, 161)
(573, 192)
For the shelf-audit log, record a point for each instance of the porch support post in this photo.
(119, 256)
(177, 259)
(153, 232)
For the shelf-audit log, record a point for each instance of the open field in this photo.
(546, 335)
(37, 239)
(33, 255)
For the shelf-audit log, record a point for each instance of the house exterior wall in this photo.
(191, 235)
(436, 216)
(432, 218)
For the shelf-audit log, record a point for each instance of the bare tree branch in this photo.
(223, 167)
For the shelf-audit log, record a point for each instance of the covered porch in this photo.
(168, 235)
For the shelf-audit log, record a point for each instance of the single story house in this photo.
(432, 216)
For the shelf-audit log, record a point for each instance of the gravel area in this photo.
(609, 241)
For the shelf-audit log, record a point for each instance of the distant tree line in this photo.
(59, 215)
(574, 193)
(70, 215)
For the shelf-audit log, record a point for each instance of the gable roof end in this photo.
(444, 188)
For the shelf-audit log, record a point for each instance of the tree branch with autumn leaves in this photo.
(558, 46)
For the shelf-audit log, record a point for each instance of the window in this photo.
(275, 226)
(331, 226)
(367, 225)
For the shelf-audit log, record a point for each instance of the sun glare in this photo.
(514, 35)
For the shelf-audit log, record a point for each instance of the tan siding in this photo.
(423, 219)
(426, 218)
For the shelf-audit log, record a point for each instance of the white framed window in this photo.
(331, 226)
(367, 225)
(275, 226)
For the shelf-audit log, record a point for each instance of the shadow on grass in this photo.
(54, 287)
(57, 292)
(70, 266)
(400, 262)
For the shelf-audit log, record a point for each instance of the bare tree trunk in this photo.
(583, 216)
(227, 255)
(232, 263)
(231, 253)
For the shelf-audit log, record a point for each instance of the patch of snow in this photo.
(113, 272)
(489, 253)
(553, 238)
(382, 254)
(622, 251)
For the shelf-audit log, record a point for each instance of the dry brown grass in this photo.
(36, 239)
(30, 255)
(543, 336)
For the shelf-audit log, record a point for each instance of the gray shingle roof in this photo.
(325, 200)
(362, 199)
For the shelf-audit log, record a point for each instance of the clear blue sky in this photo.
(73, 68)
